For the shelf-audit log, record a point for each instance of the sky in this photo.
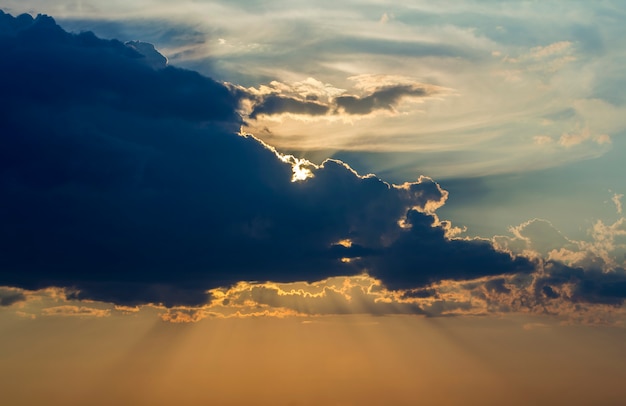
(301, 204)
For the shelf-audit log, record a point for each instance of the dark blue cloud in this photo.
(130, 183)
(418, 258)
(53, 67)
(583, 285)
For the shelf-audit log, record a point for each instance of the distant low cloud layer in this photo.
(126, 181)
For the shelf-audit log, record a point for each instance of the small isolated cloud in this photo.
(385, 18)
(617, 200)
(571, 139)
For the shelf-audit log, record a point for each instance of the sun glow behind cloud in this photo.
(398, 234)
(198, 241)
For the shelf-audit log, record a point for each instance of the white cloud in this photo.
(617, 199)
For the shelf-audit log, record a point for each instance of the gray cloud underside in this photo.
(275, 104)
(383, 98)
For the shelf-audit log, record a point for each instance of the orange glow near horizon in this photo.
(334, 360)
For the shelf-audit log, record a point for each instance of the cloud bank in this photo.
(127, 181)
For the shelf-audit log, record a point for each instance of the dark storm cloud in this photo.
(275, 104)
(128, 183)
(52, 66)
(418, 257)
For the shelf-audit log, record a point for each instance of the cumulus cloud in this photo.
(127, 182)
(605, 249)
(573, 276)
(414, 257)
(47, 64)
